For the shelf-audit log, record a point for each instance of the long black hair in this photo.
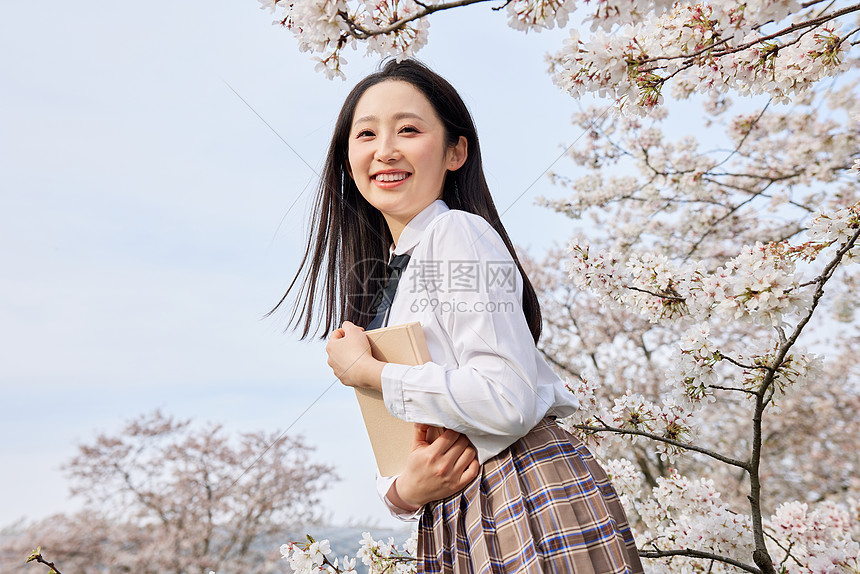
(345, 258)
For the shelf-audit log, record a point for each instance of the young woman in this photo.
(496, 485)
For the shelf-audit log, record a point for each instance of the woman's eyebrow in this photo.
(398, 116)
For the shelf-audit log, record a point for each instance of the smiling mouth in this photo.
(391, 177)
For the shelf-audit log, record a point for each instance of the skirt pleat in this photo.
(543, 505)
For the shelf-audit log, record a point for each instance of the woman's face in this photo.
(398, 156)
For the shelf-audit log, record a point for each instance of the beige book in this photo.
(391, 437)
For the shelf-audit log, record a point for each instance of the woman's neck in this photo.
(395, 227)
(396, 224)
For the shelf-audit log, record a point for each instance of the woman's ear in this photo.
(457, 154)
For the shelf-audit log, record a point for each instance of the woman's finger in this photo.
(452, 455)
(471, 472)
(433, 433)
(459, 446)
(465, 459)
(419, 435)
(444, 441)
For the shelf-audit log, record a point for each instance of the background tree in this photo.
(165, 496)
(709, 273)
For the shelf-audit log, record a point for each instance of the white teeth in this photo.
(391, 176)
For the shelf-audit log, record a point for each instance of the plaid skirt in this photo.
(541, 506)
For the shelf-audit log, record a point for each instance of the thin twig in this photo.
(731, 389)
(36, 556)
(661, 296)
(698, 554)
(679, 444)
(361, 33)
(725, 216)
(746, 135)
(787, 551)
(741, 365)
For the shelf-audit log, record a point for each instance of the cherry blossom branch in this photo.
(691, 55)
(661, 296)
(710, 177)
(806, 5)
(731, 389)
(657, 553)
(768, 178)
(746, 135)
(592, 354)
(787, 551)
(36, 556)
(662, 80)
(656, 82)
(760, 554)
(826, 8)
(359, 32)
(645, 464)
(599, 129)
(848, 35)
(652, 436)
(739, 364)
(682, 201)
(725, 216)
(815, 22)
(822, 279)
(763, 395)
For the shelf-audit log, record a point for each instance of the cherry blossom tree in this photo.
(703, 312)
(164, 495)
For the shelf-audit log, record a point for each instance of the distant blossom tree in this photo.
(704, 312)
(163, 496)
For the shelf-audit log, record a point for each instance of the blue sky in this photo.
(145, 221)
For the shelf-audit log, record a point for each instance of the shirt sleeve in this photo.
(383, 484)
(491, 392)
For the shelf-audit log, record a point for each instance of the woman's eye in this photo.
(364, 133)
(408, 129)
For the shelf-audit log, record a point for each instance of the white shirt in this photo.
(486, 380)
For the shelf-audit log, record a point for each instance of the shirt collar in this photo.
(411, 234)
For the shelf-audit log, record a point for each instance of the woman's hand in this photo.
(349, 358)
(434, 470)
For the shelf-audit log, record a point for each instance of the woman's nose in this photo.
(387, 150)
